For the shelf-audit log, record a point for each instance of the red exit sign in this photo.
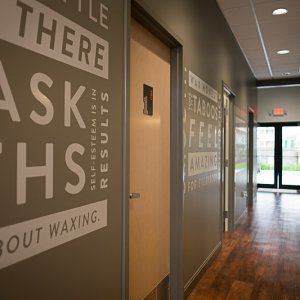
(278, 111)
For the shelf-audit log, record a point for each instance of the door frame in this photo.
(230, 213)
(282, 186)
(250, 156)
(278, 156)
(134, 9)
(275, 184)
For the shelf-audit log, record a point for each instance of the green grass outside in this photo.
(266, 167)
(291, 167)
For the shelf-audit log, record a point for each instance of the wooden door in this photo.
(149, 214)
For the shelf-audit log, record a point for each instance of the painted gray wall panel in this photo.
(89, 267)
(211, 53)
(66, 265)
(285, 97)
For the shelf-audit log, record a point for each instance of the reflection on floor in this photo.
(261, 259)
(288, 177)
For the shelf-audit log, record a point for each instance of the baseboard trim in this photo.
(204, 266)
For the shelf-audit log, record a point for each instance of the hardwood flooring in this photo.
(261, 259)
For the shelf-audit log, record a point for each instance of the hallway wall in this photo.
(286, 97)
(61, 94)
(212, 54)
(53, 88)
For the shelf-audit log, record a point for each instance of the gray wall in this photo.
(83, 260)
(90, 267)
(210, 52)
(285, 97)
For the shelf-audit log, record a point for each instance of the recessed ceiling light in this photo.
(286, 73)
(283, 51)
(279, 11)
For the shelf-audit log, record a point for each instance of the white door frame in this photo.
(228, 164)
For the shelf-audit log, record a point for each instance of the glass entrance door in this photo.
(290, 165)
(266, 156)
(278, 155)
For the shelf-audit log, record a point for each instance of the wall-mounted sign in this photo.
(278, 112)
(61, 91)
(56, 123)
(201, 134)
(148, 100)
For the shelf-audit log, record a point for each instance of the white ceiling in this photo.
(260, 35)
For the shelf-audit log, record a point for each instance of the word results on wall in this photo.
(201, 134)
(55, 128)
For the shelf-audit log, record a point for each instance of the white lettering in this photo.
(74, 167)
(191, 131)
(24, 172)
(70, 104)
(201, 134)
(91, 10)
(209, 135)
(26, 239)
(34, 26)
(34, 82)
(103, 15)
(8, 102)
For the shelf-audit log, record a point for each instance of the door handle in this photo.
(244, 194)
(134, 195)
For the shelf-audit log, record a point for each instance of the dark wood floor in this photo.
(261, 259)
